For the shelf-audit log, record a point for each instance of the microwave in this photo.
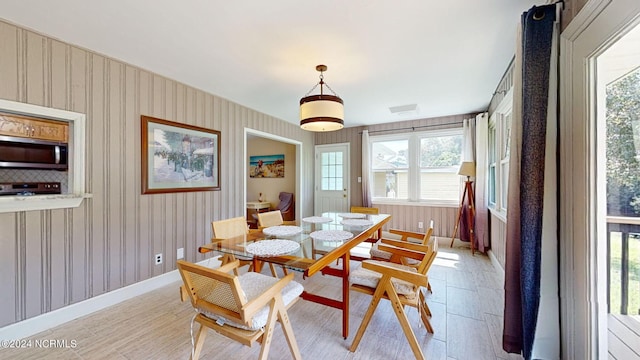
(28, 153)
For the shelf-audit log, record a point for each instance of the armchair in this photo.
(287, 206)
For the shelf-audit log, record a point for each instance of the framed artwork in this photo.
(266, 166)
(178, 157)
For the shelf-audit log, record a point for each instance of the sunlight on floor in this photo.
(447, 259)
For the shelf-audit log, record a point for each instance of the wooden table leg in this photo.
(345, 295)
(337, 304)
(257, 265)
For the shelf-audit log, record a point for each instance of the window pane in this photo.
(441, 151)
(391, 184)
(402, 185)
(492, 145)
(379, 187)
(492, 184)
(504, 185)
(331, 171)
(507, 136)
(623, 146)
(390, 154)
(439, 186)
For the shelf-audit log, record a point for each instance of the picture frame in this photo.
(178, 157)
(266, 166)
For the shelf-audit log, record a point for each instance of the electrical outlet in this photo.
(158, 259)
(420, 225)
(180, 254)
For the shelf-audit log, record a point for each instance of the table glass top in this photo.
(310, 250)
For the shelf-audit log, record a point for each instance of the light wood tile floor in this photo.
(467, 317)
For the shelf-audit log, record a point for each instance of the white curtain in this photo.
(366, 183)
(468, 134)
(481, 189)
(474, 142)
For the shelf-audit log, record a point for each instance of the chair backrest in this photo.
(430, 256)
(286, 201)
(213, 291)
(287, 206)
(228, 228)
(427, 235)
(365, 210)
(270, 218)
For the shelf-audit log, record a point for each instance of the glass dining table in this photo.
(311, 246)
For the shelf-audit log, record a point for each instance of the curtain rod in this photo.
(413, 128)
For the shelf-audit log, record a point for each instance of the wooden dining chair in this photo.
(365, 210)
(409, 236)
(270, 218)
(400, 284)
(243, 308)
(225, 229)
(229, 228)
(369, 211)
(424, 239)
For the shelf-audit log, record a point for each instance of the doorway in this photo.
(592, 225)
(618, 154)
(266, 187)
(332, 191)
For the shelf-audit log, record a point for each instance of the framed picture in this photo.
(178, 157)
(266, 166)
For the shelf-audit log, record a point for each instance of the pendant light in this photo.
(321, 112)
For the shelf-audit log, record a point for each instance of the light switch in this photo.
(359, 179)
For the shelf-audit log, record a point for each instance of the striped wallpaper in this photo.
(53, 258)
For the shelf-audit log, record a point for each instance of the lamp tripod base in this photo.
(467, 194)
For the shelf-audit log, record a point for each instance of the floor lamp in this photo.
(468, 169)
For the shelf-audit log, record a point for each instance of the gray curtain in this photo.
(532, 178)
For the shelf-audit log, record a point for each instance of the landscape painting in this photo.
(266, 166)
(178, 157)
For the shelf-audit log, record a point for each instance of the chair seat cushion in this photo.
(254, 284)
(376, 253)
(369, 278)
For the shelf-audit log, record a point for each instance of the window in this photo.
(499, 144)
(332, 166)
(417, 167)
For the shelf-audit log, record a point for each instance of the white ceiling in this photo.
(446, 56)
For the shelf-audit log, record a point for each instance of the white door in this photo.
(332, 178)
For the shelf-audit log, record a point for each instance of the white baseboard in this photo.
(34, 325)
